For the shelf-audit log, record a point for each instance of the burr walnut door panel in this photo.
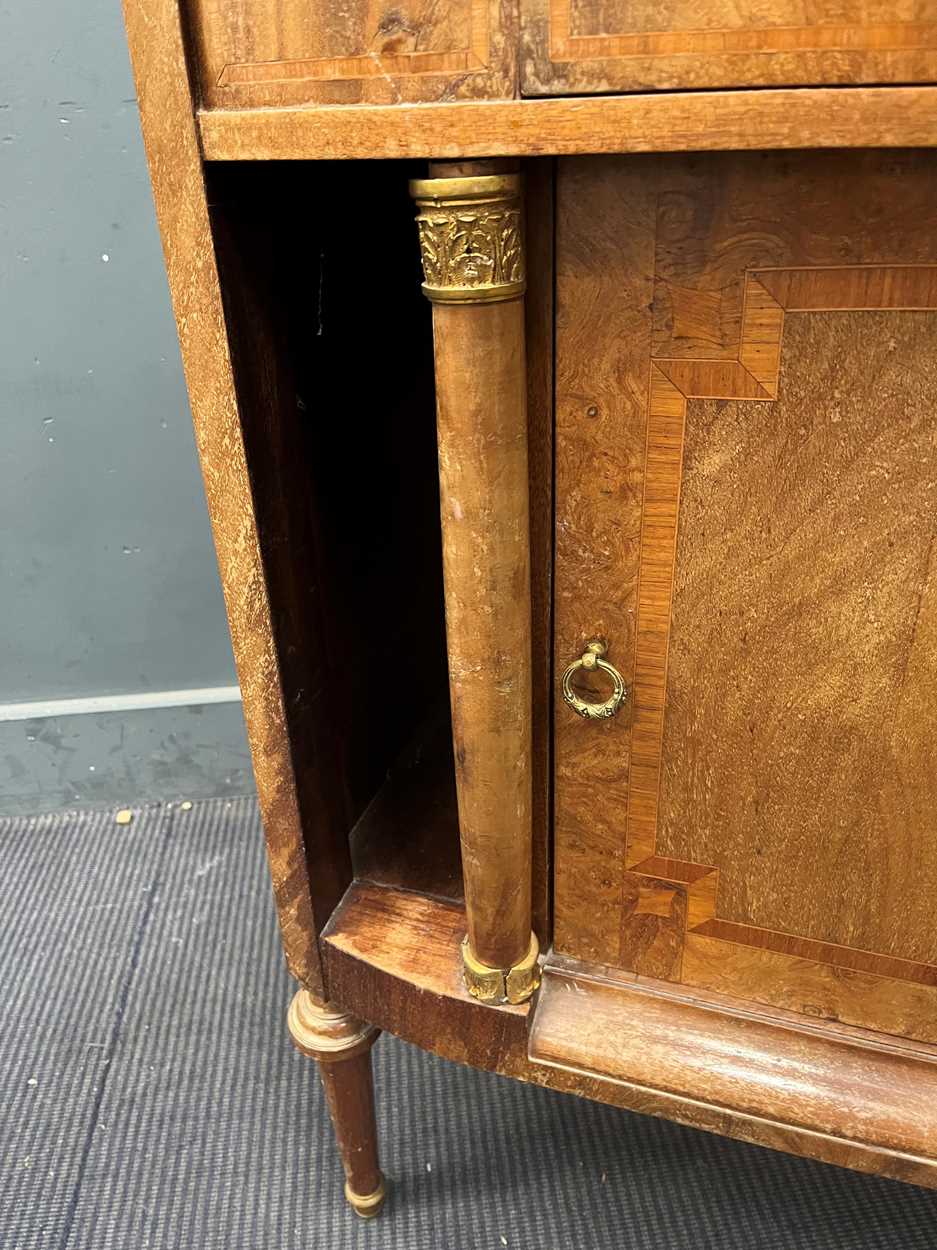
(746, 494)
(573, 46)
(251, 53)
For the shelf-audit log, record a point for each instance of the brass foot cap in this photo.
(367, 1205)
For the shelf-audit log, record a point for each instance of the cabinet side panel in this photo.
(166, 110)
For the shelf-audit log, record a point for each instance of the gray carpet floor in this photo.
(151, 1097)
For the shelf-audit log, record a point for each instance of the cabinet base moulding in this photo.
(392, 957)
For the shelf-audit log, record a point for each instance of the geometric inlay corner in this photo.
(387, 65)
(667, 893)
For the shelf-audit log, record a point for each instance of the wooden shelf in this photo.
(408, 836)
(684, 121)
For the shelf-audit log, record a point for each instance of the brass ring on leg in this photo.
(366, 1205)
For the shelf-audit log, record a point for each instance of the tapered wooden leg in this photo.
(473, 259)
(341, 1045)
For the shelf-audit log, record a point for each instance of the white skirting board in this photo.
(123, 750)
(136, 701)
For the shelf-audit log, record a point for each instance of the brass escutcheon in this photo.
(591, 659)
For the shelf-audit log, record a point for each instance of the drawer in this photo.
(252, 53)
(579, 46)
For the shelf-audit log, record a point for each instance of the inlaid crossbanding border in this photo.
(877, 37)
(682, 895)
(377, 64)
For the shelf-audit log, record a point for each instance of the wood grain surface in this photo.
(798, 752)
(878, 1103)
(349, 1093)
(166, 111)
(779, 736)
(574, 46)
(605, 258)
(814, 211)
(341, 1046)
(539, 189)
(258, 53)
(392, 958)
(408, 836)
(822, 984)
(481, 397)
(859, 117)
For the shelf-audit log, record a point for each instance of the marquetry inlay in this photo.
(688, 892)
(569, 43)
(378, 63)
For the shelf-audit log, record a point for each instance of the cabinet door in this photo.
(746, 512)
(573, 46)
(251, 53)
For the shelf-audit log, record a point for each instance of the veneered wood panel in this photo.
(538, 328)
(798, 749)
(574, 46)
(285, 791)
(721, 19)
(801, 457)
(255, 53)
(812, 983)
(719, 218)
(605, 259)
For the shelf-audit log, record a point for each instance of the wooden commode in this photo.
(564, 377)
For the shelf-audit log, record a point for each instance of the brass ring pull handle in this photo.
(590, 660)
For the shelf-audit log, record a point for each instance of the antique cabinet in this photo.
(585, 611)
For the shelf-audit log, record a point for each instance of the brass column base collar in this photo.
(366, 1205)
(501, 985)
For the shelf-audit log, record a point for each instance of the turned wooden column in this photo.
(470, 225)
(341, 1045)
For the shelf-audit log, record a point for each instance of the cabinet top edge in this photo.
(760, 119)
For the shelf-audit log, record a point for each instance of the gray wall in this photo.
(108, 574)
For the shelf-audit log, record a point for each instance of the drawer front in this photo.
(577, 46)
(255, 53)
(747, 513)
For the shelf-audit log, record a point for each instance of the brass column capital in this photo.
(471, 238)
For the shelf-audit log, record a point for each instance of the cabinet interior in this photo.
(332, 354)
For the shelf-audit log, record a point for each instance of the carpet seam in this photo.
(120, 1010)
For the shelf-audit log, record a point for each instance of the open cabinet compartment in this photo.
(331, 345)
